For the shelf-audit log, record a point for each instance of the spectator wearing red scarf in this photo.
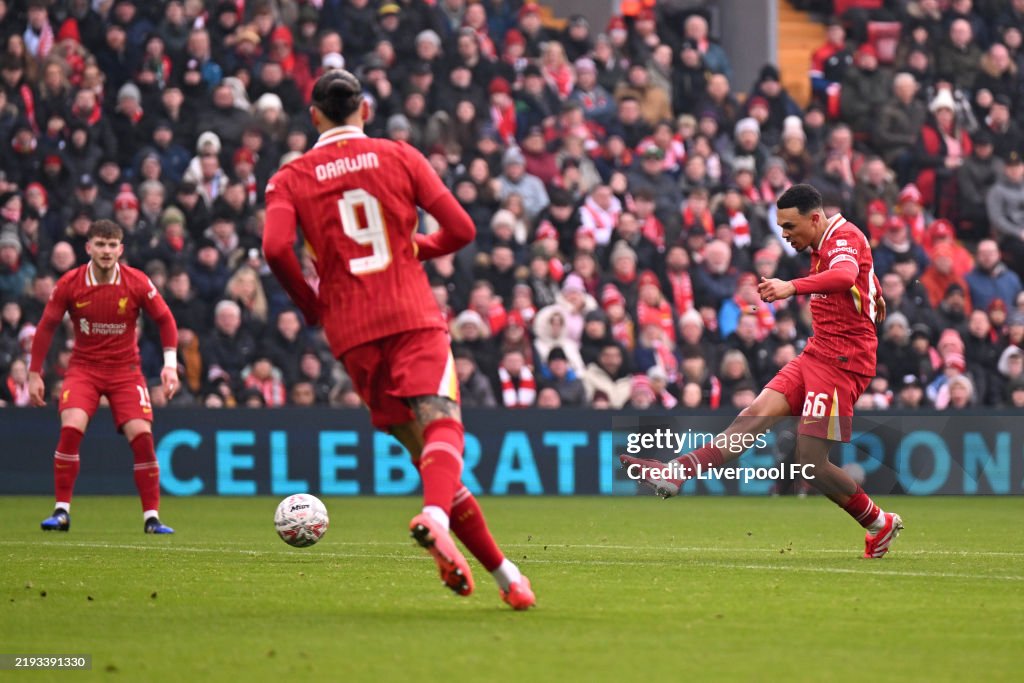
(503, 109)
(652, 307)
(282, 51)
(264, 378)
(910, 211)
(677, 272)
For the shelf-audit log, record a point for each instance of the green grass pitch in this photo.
(686, 589)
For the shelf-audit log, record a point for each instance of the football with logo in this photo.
(301, 520)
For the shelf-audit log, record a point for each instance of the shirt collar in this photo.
(91, 280)
(337, 134)
(834, 224)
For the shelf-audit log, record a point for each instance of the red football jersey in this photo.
(104, 315)
(844, 322)
(355, 198)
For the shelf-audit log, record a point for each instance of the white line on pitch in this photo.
(670, 548)
(587, 562)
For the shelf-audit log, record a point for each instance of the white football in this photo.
(301, 520)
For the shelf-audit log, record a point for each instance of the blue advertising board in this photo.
(530, 452)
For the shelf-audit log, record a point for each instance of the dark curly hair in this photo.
(804, 197)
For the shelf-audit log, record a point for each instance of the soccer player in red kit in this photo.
(355, 198)
(103, 299)
(822, 384)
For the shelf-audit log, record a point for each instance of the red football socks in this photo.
(441, 463)
(862, 509)
(707, 456)
(147, 471)
(66, 464)
(469, 525)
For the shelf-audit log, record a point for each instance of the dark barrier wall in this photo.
(534, 452)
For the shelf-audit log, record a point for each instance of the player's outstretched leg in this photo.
(440, 465)
(470, 526)
(882, 527)
(667, 478)
(147, 476)
(65, 472)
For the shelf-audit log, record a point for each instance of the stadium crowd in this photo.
(621, 182)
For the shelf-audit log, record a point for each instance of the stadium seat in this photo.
(843, 6)
(832, 96)
(885, 36)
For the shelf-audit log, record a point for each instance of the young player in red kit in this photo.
(355, 198)
(822, 384)
(103, 299)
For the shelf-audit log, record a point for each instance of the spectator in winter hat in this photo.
(15, 273)
(515, 180)
(641, 396)
(560, 377)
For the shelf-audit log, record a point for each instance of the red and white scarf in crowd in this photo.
(623, 332)
(561, 78)
(666, 360)
(916, 227)
(752, 194)
(524, 395)
(486, 45)
(769, 194)
(682, 291)
(91, 117)
(271, 389)
(45, 40)
(654, 230)
(740, 228)
(715, 395)
(660, 315)
(251, 191)
(705, 220)
(504, 120)
(19, 392)
(675, 153)
(602, 221)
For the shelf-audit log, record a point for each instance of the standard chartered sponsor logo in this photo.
(102, 328)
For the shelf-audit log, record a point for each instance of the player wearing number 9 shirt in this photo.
(821, 385)
(355, 199)
(103, 299)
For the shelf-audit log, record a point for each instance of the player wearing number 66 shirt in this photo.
(821, 385)
(356, 200)
(103, 299)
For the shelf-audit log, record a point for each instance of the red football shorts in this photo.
(125, 391)
(822, 395)
(387, 371)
